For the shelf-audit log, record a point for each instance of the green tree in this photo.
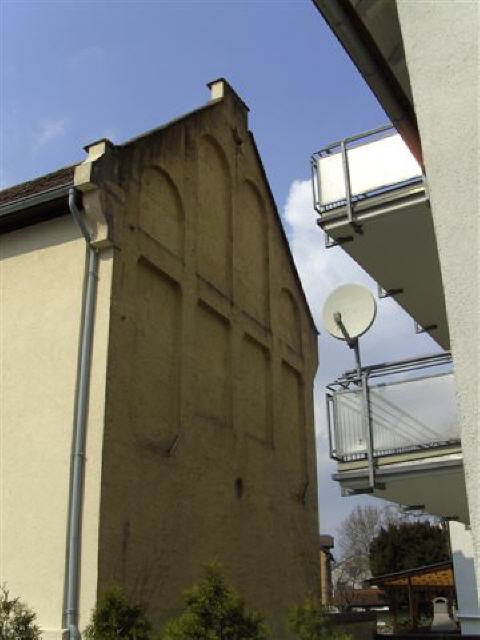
(114, 618)
(17, 622)
(408, 545)
(214, 611)
(309, 622)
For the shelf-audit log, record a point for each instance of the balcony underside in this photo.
(434, 482)
(395, 244)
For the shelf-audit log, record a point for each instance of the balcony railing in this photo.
(351, 171)
(392, 408)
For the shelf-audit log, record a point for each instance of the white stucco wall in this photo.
(41, 279)
(465, 583)
(441, 47)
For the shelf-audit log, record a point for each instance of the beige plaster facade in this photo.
(41, 297)
(200, 441)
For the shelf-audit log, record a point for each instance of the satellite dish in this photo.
(354, 307)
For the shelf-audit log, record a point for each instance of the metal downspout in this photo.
(82, 392)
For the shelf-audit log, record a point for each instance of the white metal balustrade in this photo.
(360, 167)
(372, 199)
(410, 406)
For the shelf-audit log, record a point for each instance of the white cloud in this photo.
(49, 130)
(391, 337)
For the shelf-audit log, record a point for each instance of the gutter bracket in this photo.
(86, 179)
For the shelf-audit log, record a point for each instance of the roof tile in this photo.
(49, 181)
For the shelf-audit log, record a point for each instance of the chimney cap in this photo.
(220, 87)
(98, 146)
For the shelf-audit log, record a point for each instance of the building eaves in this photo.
(35, 201)
(361, 46)
(422, 570)
(44, 183)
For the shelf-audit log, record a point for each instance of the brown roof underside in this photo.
(436, 575)
(43, 183)
(433, 579)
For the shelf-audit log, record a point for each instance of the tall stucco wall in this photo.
(209, 449)
(441, 47)
(465, 583)
(41, 296)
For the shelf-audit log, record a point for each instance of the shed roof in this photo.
(439, 574)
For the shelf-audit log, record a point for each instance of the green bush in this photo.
(309, 622)
(17, 622)
(214, 611)
(114, 618)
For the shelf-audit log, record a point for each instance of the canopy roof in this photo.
(439, 574)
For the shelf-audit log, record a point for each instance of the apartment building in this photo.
(158, 357)
(403, 202)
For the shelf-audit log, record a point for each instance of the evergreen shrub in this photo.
(214, 611)
(114, 617)
(17, 622)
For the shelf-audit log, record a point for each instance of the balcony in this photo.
(372, 200)
(391, 425)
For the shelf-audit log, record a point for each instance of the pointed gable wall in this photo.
(209, 446)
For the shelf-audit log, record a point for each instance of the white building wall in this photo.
(441, 47)
(41, 278)
(465, 583)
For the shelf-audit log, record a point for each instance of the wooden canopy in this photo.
(437, 579)
(429, 576)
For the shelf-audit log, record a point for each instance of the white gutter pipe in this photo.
(82, 392)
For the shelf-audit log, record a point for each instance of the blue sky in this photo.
(76, 71)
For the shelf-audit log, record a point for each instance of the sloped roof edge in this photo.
(46, 182)
(282, 230)
(427, 568)
(64, 176)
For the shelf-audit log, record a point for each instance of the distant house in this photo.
(349, 599)
(326, 560)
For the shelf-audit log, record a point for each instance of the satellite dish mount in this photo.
(349, 312)
(351, 342)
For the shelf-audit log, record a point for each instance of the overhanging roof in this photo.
(37, 200)
(439, 574)
(370, 34)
